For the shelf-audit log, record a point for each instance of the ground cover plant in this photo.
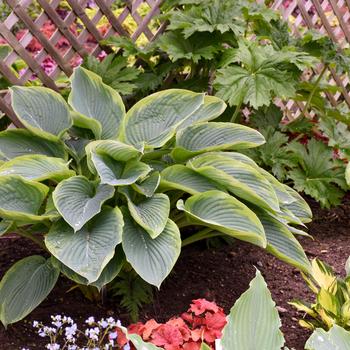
(331, 306)
(253, 313)
(87, 181)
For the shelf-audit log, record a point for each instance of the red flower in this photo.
(167, 336)
(199, 306)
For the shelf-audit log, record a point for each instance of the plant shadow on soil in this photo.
(219, 275)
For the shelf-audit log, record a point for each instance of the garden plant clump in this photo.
(89, 185)
(151, 147)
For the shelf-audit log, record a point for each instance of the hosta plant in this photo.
(96, 186)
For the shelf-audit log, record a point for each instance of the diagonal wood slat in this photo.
(78, 33)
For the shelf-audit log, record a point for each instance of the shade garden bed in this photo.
(218, 274)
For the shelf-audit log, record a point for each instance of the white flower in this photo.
(113, 335)
(103, 323)
(53, 346)
(111, 321)
(67, 320)
(42, 333)
(92, 333)
(58, 324)
(90, 321)
(71, 331)
(126, 346)
(35, 324)
(72, 347)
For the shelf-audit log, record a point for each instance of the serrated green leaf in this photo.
(226, 214)
(37, 167)
(19, 142)
(206, 137)
(259, 79)
(96, 100)
(24, 286)
(154, 119)
(198, 46)
(88, 251)
(253, 322)
(78, 200)
(41, 110)
(152, 259)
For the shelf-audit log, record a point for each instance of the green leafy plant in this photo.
(312, 156)
(255, 313)
(95, 185)
(332, 302)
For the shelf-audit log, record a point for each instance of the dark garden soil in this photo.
(219, 274)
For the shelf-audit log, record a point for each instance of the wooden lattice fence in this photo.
(77, 31)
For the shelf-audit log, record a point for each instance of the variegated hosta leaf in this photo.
(96, 100)
(41, 110)
(88, 251)
(84, 122)
(226, 214)
(206, 137)
(210, 109)
(152, 259)
(180, 177)
(154, 119)
(114, 149)
(108, 274)
(299, 207)
(116, 173)
(19, 142)
(149, 185)
(337, 338)
(78, 200)
(139, 344)
(25, 285)
(20, 199)
(37, 167)
(239, 178)
(253, 322)
(282, 243)
(151, 213)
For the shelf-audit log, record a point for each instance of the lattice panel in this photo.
(330, 17)
(55, 40)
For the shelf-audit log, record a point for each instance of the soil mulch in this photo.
(219, 274)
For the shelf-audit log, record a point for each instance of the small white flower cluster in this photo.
(64, 334)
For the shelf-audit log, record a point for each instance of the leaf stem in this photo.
(313, 91)
(237, 110)
(203, 234)
(32, 237)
